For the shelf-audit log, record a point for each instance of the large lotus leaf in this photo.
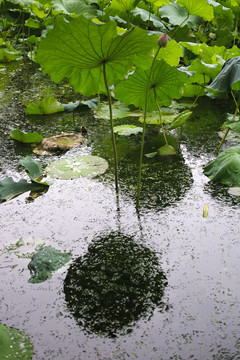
(75, 167)
(191, 90)
(158, 2)
(147, 17)
(79, 49)
(221, 11)
(127, 130)
(196, 7)
(74, 8)
(10, 189)
(119, 111)
(226, 167)
(179, 119)
(171, 53)
(179, 16)
(45, 262)
(123, 5)
(203, 72)
(25, 137)
(14, 344)
(166, 80)
(228, 79)
(49, 106)
(208, 54)
(167, 115)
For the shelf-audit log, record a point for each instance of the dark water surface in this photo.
(161, 284)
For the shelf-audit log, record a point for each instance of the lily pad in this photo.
(25, 137)
(166, 150)
(127, 130)
(45, 262)
(62, 142)
(75, 167)
(179, 119)
(225, 168)
(14, 344)
(119, 110)
(48, 106)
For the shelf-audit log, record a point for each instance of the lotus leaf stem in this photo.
(160, 117)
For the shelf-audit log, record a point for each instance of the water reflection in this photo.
(220, 193)
(117, 282)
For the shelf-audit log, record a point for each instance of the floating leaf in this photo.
(166, 150)
(127, 130)
(167, 115)
(119, 110)
(48, 106)
(80, 49)
(72, 168)
(45, 262)
(200, 8)
(166, 80)
(228, 79)
(179, 119)
(10, 189)
(25, 137)
(32, 167)
(14, 344)
(226, 167)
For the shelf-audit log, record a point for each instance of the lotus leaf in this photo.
(200, 8)
(179, 119)
(228, 79)
(74, 8)
(119, 110)
(10, 189)
(14, 344)
(72, 168)
(166, 80)
(45, 262)
(25, 138)
(33, 167)
(226, 167)
(62, 54)
(167, 115)
(166, 150)
(178, 16)
(127, 130)
(48, 106)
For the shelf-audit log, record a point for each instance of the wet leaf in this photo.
(167, 114)
(48, 106)
(14, 344)
(225, 168)
(166, 150)
(127, 130)
(62, 54)
(179, 119)
(25, 137)
(45, 262)
(33, 167)
(10, 189)
(72, 168)
(119, 110)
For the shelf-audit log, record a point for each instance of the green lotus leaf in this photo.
(191, 90)
(166, 150)
(196, 7)
(74, 8)
(171, 53)
(223, 12)
(179, 16)
(14, 344)
(146, 16)
(208, 54)
(233, 125)
(179, 119)
(225, 168)
(228, 79)
(119, 111)
(167, 115)
(81, 48)
(49, 106)
(32, 167)
(166, 80)
(127, 130)
(124, 6)
(10, 189)
(158, 3)
(203, 72)
(72, 168)
(45, 262)
(25, 137)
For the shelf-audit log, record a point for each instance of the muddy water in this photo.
(173, 280)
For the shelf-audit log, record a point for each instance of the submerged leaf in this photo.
(72, 168)
(225, 168)
(25, 137)
(14, 344)
(81, 48)
(45, 262)
(127, 130)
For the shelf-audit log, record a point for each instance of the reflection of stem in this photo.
(149, 17)
(144, 128)
(112, 131)
(177, 28)
(226, 132)
(160, 116)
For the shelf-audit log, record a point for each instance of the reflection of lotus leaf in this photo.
(116, 283)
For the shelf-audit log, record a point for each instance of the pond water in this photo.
(159, 284)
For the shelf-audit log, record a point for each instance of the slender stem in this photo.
(144, 129)
(235, 31)
(236, 102)
(193, 103)
(226, 132)
(179, 26)
(160, 117)
(112, 131)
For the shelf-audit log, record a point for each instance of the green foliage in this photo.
(82, 61)
(14, 344)
(74, 8)
(25, 137)
(49, 106)
(177, 15)
(127, 130)
(72, 168)
(196, 7)
(225, 168)
(45, 262)
(119, 110)
(179, 119)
